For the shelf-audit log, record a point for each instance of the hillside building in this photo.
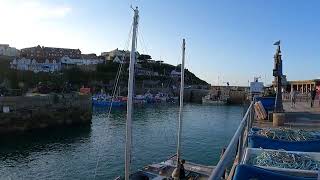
(117, 56)
(6, 50)
(41, 53)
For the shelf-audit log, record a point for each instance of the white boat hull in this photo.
(213, 102)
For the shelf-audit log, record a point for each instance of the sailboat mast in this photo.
(181, 101)
(130, 94)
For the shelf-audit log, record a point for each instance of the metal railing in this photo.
(236, 145)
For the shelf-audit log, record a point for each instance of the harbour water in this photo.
(74, 153)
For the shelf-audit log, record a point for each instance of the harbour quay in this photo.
(25, 113)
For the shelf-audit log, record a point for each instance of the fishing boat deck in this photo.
(190, 166)
(302, 116)
(165, 169)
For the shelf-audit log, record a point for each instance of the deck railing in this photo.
(236, 146)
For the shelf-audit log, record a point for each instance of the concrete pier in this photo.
(237, 95)
(300, 116)
(39, 112)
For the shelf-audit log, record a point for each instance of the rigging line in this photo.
(143, 47)
(108, 116)
(97, 164)
(115, 82)
(126, 45)
(115, 88)
(145, 51)
(143, 42)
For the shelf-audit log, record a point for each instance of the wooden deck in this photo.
(301, 116)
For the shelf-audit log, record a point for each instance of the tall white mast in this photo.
(181, 102)
(130, 94)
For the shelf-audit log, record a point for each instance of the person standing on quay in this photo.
(319, 98)
(293, 96)
(308, 95)
(313, 96)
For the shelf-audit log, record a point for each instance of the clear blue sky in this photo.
(226, 40)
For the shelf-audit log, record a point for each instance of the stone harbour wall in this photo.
(195, 95)
(39, 112)
(237, 97)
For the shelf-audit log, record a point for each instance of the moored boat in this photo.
(149, 97)
(107, 103)
(161, 97)
(209, 99)
(140, 99)
(164, 170)
(103, 100)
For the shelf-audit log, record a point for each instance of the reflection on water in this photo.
(27, 152)
(42, 140)
(73, 153)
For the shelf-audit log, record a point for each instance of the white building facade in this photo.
(24, 64)
(117, 55)
(175, 74)
(6, 50)
(111, 55)
(68, 61)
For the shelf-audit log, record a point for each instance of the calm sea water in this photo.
(74, 153)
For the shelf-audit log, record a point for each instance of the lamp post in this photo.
(277, 73)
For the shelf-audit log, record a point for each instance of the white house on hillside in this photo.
(111, 55)
(6, 50)
(24, 64)
(67, 60)
(175, 73)
(117, 55)
(117, 60)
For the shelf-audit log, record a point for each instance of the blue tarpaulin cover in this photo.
(267, 102)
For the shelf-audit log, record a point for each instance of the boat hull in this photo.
(213, 102)
(99, 103)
